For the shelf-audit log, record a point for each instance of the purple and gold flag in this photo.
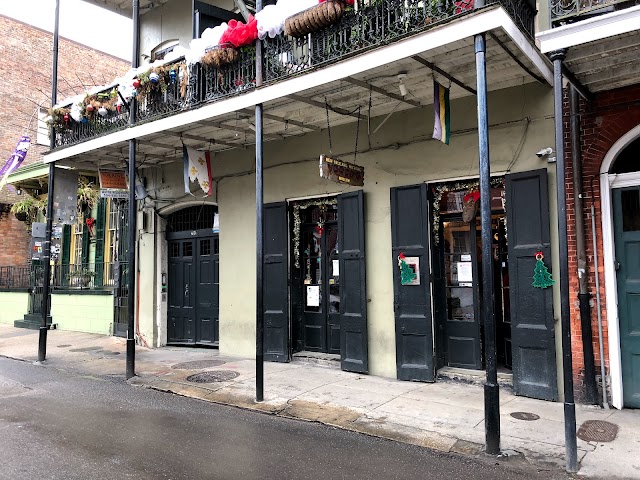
(15, 160)
(441, 109)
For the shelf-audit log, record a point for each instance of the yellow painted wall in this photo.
(83, 313)
(13, 306)
(400, 153)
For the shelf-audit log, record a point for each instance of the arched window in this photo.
(629, 159)
(199, 217)
(159, 52)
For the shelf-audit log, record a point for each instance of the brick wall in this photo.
(603, 121)
(26, 54)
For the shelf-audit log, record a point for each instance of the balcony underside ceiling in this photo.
(304, 112)
(123, 7)
(608, 63)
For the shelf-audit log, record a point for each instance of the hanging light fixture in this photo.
(403, 87)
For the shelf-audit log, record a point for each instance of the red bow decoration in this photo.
(475, 196)
(238, 34)
(90, 224)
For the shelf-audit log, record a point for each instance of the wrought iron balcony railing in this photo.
(12, 277)
(566, 11)
(372, 23)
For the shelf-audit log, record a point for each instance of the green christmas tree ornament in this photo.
(407, 274)
(541, 276)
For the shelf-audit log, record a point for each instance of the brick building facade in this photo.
(603, 122)
(26, 56)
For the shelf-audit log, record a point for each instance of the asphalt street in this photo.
(57, 424)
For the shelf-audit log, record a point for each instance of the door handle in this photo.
(186, 289)
(616, 265)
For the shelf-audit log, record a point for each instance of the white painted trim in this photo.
(621, 180)
(608, 245)
(590, 30)
(485, 20)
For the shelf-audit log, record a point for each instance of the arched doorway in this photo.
(193, 276)
(620, 191)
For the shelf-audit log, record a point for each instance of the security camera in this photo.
(545, 152)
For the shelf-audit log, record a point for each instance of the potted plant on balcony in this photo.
(80, 278)
(87, 195)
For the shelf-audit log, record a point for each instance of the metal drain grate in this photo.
(213, 376)
(597, 431)
(526, 416)
(197, 364)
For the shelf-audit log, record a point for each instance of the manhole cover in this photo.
(527, 416)
(597, 431)
(213, 376)
(63, 346)
(85, 349)
(197, 364)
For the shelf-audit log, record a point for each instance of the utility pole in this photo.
(46, 274)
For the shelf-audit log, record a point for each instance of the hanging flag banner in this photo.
(341, 172)
(197, 166)
(113, 184)
(15, 160)
(441, 110)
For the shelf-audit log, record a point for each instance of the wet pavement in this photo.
(57, 424)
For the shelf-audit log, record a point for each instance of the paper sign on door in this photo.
(313, 296)
(465, 272)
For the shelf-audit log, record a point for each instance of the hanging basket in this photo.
(315, 18)
(220, 55)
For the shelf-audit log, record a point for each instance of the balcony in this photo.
(368, 26)
(567, 11)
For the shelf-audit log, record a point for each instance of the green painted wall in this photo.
(83, 313)
(13, 306)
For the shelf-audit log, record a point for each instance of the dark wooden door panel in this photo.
(412, 303)
(532, 322)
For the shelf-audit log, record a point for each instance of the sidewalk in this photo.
(445, 416)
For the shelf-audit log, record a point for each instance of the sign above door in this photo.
(341, 172)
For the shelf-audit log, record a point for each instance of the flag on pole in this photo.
(15, 160)
(197, 166)
(441, 109)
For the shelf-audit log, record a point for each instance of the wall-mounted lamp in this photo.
(18, 191)
(403, 87)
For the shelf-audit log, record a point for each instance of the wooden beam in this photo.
(201, 139)
(433, 67)
(381, 91)
(315, 103)
(284, 120)
(516, 59)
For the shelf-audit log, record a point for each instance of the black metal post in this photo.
(132, 228)
(590, 387)
(259, 230)
(46, 274)
(567, 362)
(491, 389)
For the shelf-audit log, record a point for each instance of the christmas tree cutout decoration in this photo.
(407, 274)
(541, 276)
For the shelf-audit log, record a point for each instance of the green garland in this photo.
(440, 189)
(297, 222)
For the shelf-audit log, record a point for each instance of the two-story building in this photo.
(381, 267)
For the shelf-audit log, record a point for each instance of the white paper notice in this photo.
(465, 272)
(336, 268)
(313, 295)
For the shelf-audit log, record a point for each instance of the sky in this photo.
(79, 21)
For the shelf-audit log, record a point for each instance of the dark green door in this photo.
(182, 299)
(626, 214)
(412, 302)
(207, 291)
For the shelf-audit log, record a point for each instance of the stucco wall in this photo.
(14, 306)
(401, 153)
(83, 313)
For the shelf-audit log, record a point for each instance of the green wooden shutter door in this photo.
(66, 253)
(100, 224)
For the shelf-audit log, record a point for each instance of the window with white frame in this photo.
(78, 229)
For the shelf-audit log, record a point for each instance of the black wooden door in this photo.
(207, 293)
(462, 321)
(626, 213)
(353, 295)
(532, 323)
(181, 310)
(275, 283)
(412, 303)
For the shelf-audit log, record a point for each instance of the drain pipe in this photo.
(603, 373)
(590, 387)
